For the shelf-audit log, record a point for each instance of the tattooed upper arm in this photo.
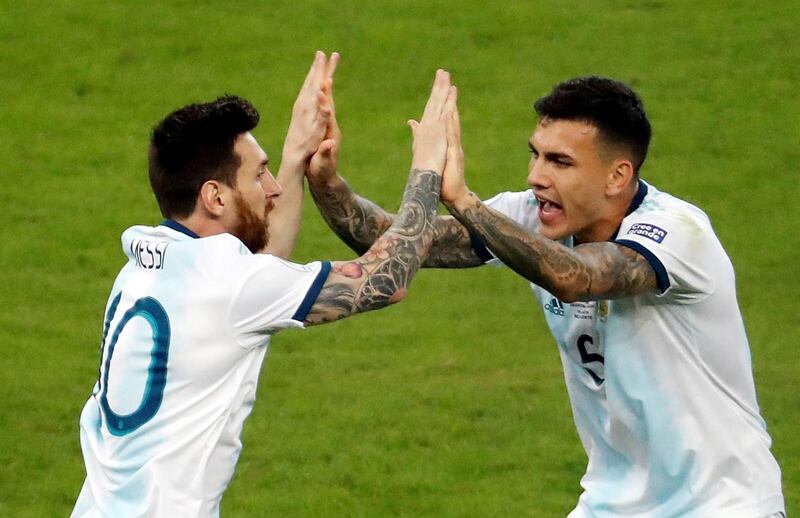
(351, 288)
(616, 271)
(335, 300)
(378, 278)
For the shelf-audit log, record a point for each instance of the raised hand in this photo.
(429, 150)
(325, 160)
(312, 110)
(360, 223)
(453, 184)
(310, 116)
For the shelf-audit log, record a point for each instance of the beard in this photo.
(251, 229)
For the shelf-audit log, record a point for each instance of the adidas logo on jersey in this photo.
(555, 307)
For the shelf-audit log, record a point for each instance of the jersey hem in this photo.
(765, 508)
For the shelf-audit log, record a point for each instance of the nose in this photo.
(537, 176)
(271, 186)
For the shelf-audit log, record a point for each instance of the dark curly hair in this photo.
(193, 145)
(609, 105)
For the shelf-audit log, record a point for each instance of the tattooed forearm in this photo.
(382, 275)
(357, 221)
(588, 272)
(452, 246)
(419, 206)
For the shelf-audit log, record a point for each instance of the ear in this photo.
(213, 198)
(619, 177)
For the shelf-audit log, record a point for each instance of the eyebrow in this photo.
(550, 155)
(559, 157)
(553, 155)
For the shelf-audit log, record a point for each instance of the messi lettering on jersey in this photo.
(149, 254)
(653, 232)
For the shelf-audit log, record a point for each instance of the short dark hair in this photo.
(193, 145)
(609, 105)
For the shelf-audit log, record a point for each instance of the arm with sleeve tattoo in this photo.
(382, 275)
(592, 271)
(359, 222)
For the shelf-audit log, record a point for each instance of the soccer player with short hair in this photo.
(639, 295)
(192, 312)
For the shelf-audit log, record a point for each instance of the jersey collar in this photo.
(174, 225)
(637, 200)
(641, 192)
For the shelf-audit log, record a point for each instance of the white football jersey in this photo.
(187, 325)
(661, 384)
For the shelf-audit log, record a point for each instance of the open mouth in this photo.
(549, 206)
(549, 210)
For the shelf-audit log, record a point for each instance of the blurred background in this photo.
(452, 403)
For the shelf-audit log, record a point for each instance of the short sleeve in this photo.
(518, 206)
(274, 294)
(681, 248)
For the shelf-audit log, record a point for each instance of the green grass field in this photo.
(452, 403)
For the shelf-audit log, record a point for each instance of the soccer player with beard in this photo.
(191, 314)
(638, 293)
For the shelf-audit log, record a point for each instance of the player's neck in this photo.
(202, 226)
(608, 222)
(602, 230)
